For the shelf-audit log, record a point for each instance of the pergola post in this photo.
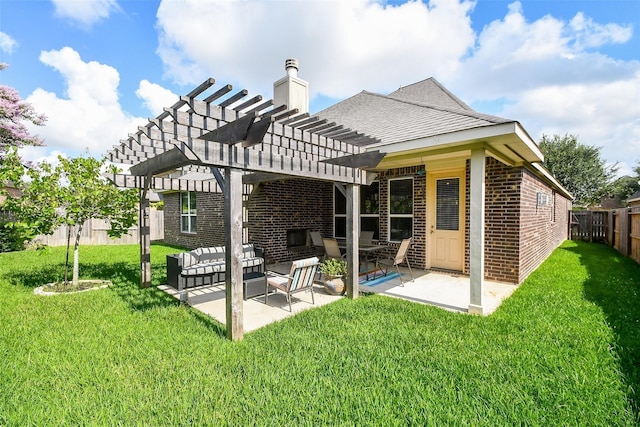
(476, 214)
(353, 234)
(144, 232)
(233, 252)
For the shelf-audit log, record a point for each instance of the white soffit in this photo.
(506, 140)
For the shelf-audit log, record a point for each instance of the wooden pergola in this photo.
(241, 142)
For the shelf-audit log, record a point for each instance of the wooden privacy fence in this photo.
(626, 231)
(94, 232)
(591, 226)
(619, 228)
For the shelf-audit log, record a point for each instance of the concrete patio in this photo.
(448, 291)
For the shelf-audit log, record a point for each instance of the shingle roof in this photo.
(429, 91)
(420, 110)
(634, 196)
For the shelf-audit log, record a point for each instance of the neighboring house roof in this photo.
(634, 198)
(10, 190)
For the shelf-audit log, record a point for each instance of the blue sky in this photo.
(98, 68)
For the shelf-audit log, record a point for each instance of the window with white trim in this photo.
(188, 213)
(400, 209)
(369, 211)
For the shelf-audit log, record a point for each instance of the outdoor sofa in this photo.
(206, 266)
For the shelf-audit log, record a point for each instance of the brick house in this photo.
(468, 188)
(433, 143)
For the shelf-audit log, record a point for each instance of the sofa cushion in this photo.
(210, 254)
(252, 262)
(248, 250)
(188, 258)
(204, 268)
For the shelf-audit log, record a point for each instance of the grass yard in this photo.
(564, 350)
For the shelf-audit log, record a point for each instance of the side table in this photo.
(253, 284)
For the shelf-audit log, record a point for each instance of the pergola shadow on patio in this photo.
(447, 291)
(241, 143)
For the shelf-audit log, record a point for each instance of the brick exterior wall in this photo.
(277, 206)
(209, 223)
(502, 221)
(542, 228)
(519, 234)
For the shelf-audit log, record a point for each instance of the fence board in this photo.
(94, 232)
(634, 232)
(622, 231)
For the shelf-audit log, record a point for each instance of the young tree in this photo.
(13, 113)
(578, 167)
(70, 194)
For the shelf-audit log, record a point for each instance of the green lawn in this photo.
(563, 350)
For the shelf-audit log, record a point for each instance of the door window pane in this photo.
(448, 204)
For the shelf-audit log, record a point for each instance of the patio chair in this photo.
(366, 238)
(316, 239)
(331, 249)
(300, 278)
(399, 258)
(316, 243)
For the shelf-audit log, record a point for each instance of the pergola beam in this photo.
(256, 133)
(232, 132)
(366, 160)
(164, 184)
(169, 160)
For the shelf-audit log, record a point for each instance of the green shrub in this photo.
(11, 238)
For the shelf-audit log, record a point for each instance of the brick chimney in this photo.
(291, 90)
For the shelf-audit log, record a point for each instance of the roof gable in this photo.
(429, 92)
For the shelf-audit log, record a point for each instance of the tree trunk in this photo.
(76, 262)
(66, 262)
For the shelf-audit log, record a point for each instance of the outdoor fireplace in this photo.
(296, 237)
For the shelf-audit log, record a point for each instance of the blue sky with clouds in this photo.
(98, 68)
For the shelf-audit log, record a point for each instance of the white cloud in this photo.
(85, 12)
(37, 155)
(89, 116)
(589, 34)
(554, 80)
(343, 46)
(605, 115)
(155, 97)
(7, 43)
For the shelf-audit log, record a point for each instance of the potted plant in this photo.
(334, 271)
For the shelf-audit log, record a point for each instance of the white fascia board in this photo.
(526, 140)
(463, 136)
(550, 178)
